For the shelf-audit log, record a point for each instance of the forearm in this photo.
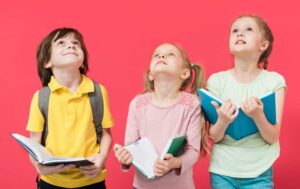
(217, 131)
(187, 160)
(105, 143)
(269, 132)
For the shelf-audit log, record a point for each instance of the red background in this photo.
(120, 36)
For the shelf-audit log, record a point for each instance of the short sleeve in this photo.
(279, 81)
(36, 119)
(213, 83)
(107, 121)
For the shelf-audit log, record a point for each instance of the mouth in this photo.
(161, 62)
(70, 53)
(240, 42)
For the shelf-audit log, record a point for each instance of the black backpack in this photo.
(96, 102)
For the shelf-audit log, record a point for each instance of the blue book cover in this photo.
(243, 125)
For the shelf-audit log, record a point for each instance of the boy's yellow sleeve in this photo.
(36, 119)
(107, 121)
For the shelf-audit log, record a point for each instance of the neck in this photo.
(166, 92)
(244, 71)
(70, 79)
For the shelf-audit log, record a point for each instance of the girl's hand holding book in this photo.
(123, 155)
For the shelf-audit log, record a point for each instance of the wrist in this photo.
(177, 163)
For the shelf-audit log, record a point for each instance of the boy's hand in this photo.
(94, 170)
(162, 167)
(48, 170)
(123, 155)
(227, 112)
(253, 107)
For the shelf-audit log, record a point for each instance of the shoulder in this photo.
(273, 75)
(103, 88)
(216, 81)
(274, 79)
(141, 100)
(218, 77)
(189, 99)
(35, 96)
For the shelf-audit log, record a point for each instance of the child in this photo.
(62, 64)
(246, 163)
(165, 110)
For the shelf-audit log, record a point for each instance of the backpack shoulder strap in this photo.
(43, 102)
(97, 109)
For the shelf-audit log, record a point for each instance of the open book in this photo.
(243, 125)
(43, 156)
(144, 155)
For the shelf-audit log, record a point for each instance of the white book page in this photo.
(40, 151)
(144, 155)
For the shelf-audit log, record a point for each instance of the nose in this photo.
(71, 45)
(161, 56)
(239, 34)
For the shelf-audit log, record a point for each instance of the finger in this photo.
(117, 147)
(89, 171)
(168, 156)
(236, 113)
(120, 153)
(259, 102)
(159, 169)
(123, 154)
(250, 104)
(226, 105)
(162, 163)
(232, 110)
(215, 104)
(88, 167)
(92, 173)
(129, 161)
(158, 172)
(70, 166)
(245, 105)
(126, 159)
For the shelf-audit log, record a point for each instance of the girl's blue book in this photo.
(243, 125)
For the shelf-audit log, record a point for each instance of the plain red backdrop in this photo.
(120, 36)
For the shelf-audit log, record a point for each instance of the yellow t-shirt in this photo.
(71, 131)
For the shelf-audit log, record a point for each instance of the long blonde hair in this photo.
(194, 82)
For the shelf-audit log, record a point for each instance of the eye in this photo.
(249, 29)
(171, 54)
(76, 43)
(60, 42)
(155, 55)
(235, 30)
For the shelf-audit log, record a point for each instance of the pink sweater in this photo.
(159, 124)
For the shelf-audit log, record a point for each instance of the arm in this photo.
(99, 159)
(191, 150)
(253, 107)
(226, 114)
(131, 135)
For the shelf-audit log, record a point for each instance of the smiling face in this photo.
(246, 37)
(66, 51)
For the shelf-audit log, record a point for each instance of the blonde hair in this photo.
(194, 81)
(267, 34)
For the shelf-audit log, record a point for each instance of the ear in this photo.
(48, 65)
(185, 74)
(150, 77)
(264, 45)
